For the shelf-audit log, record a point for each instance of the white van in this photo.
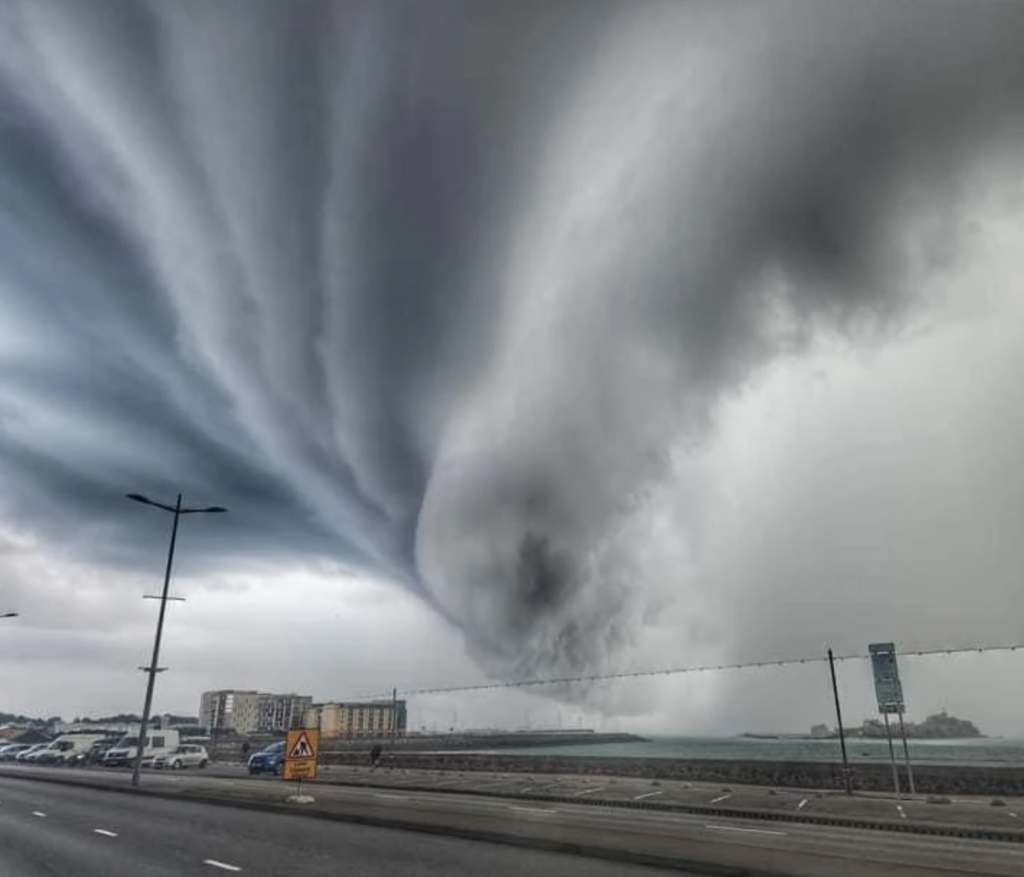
(158, 742)
(65, 747)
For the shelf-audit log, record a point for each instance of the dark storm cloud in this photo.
(433, 287)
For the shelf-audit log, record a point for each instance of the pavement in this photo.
(49, 830)
(692, 842)
(963, 812)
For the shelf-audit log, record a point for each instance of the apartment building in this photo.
(281, 712)
(251, 712)
(378, 718)
(229, 710)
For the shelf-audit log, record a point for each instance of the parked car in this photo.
(186, 755)
(268, 760)
(55, 752)
(158, 742)
(29, 755)
(94, 754)
(11, 750)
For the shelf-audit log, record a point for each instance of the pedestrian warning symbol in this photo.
(301, 746)
(300, 754)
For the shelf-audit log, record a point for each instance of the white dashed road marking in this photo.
(802, 804)
(39, 814)
(647, 795)
(224, 866)
(714, 827)
(531, 809)
(104, 832)
(721, 798)
(589, 791)
(393, 797)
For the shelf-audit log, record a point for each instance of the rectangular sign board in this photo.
(888, 689)
(300, 753)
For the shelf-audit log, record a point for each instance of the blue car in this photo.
(268, 760)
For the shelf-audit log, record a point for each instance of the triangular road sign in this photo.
(302, 748)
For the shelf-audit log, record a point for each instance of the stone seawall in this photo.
(929, 778)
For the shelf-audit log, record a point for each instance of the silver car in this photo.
(186, 755)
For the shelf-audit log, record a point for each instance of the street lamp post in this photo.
(9, 615)
(177, 510)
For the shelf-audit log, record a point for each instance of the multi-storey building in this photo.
(229, 710)
(378, 718)
(251, 712)
(281, 712)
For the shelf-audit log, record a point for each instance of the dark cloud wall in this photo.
(433, 288)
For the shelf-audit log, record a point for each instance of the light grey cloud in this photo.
(456, 294)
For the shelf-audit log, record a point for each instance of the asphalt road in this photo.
(50, 830)
(787, 848)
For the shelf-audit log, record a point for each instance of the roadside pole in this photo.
(906, 755)
(892, 757)
(839, 724)
(394, 716)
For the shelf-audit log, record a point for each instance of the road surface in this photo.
(779, 847)
(50, 830)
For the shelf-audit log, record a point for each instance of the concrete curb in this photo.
(592, 851)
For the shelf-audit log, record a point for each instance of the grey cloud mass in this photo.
(436, 289)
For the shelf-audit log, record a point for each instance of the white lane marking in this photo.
(588, 791)
(476, 786)
(714, 827)
(222, 865)
(802, 804)
(724, 797)
(532, 809)
(647, 795)
(39, 814)
(104, 832)
(1013, 815)
(393, 797)
(902, 814)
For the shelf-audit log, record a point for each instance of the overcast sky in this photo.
(521, 340)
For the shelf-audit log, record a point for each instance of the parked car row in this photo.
(83, 750)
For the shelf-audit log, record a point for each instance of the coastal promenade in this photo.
(934, 779)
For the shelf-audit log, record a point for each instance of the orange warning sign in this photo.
(300, 754)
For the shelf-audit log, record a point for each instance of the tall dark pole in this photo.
(892, 757)
(154, 666)
(839, 724)
(906, 755)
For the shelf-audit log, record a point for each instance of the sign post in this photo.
(906, 754)
(889, 694)
(300, 754)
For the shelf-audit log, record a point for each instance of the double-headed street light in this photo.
(177, 510)
(9, 615)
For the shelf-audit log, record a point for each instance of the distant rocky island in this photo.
(940, 726)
